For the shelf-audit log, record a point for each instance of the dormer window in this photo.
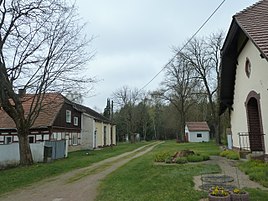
(68, 116)
(248, 67)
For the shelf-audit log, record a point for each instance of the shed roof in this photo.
(197, 126)
(249, 24)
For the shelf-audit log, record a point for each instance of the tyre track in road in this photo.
(77, 185)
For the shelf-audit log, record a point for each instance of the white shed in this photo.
(196, 132)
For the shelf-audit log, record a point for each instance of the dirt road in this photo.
(78, 185)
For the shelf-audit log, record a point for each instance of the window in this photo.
(199, 135)
(248, 67)
(76, 121)
(74, 139)
(31, 139)
(8, 140)
(68, 116)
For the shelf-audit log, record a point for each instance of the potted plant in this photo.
(239, 195)
(219, 194)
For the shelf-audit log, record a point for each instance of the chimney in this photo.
(22, 92)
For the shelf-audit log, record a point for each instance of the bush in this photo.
(205, 157)
(168, 159)
(230, 154)
(162, 157)
(181, 160)
(195, 158)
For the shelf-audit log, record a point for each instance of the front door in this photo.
(254, 126)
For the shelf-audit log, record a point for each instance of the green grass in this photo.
(257, 171)
(206, 148)
(143, 180)
(257, 194)
(13, 178)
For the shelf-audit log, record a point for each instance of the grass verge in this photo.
(256, 170)
(18, 177)
(257, 194)
(142, 179)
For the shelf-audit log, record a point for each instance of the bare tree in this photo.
(203, 54)
(42, 49)
(127, 99)
(180, 87)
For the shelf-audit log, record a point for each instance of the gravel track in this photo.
(77, 185)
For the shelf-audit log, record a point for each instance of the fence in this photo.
(251, 141)
(41, 152)
(55, 150)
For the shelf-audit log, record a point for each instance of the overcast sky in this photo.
(134, 38)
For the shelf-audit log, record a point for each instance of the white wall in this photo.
(9, 154)
(193, 136)
(87, 132)
(38, 151)
(258, 82)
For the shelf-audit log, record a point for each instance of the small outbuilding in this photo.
(196, 132)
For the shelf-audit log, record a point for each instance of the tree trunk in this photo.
(24, 147)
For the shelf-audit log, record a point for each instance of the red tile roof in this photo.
(52, 103)
(197, 126)
(254, 22)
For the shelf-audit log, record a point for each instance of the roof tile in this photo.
(197, 126)
(52, 103)
(254, 21)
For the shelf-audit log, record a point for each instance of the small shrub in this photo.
(233, 156)
(205, 157)
(230, 154)
(195, 158)
(224, 153)
(168, 159)
(162, 156)
(181, 160)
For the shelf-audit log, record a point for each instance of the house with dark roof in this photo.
(196, 132)
(61, 119)
(244, 80)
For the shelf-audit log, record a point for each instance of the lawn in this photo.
(13, 178)
(143, 180)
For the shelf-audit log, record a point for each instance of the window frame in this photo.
(74, 139)
(199, 135)
(76, 121)
(68, 116)
(7, 141)
(248, 67)
(31, 139)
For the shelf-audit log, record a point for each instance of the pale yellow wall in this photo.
(99, 140)
(100, 133)
(258, 81)
(114, 135)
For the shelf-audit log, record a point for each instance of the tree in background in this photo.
(42, 49)
(189, 92)
(203, 56)
(108, 110)
(126, 99)
(142, 110)
(180, 88)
